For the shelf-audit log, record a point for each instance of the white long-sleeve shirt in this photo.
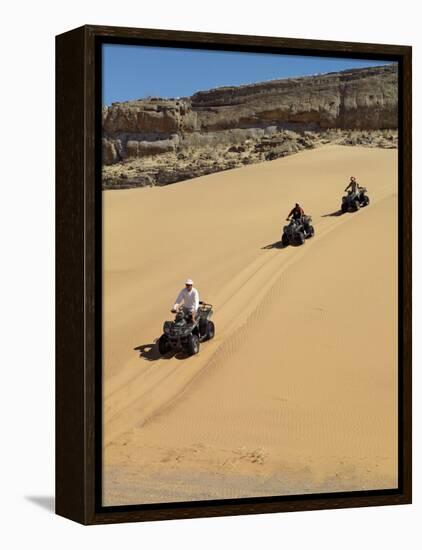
(190, 299)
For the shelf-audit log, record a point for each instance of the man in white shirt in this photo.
(190, 298)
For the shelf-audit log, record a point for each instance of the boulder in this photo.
(148, 148)
(109, 152)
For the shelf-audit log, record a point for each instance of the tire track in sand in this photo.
(240, 314)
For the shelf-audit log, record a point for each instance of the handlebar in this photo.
(201, 303)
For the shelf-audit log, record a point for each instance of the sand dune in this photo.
(297, 393)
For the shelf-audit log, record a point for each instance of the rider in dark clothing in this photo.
(353, 185)
(297, 212)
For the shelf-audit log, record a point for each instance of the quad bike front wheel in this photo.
(311, 232)
(192, 345)
(357, 205)
(285, 240)
(300, 238)
(163, 345)
(365, 201)
(344, 207)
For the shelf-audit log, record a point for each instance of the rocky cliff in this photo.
(354, 99)
(159, 141)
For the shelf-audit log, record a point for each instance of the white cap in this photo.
(188, 282)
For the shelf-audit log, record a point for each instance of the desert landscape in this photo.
(297, 392)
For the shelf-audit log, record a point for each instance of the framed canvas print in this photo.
(233, 274)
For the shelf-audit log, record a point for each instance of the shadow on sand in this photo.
(277, 244)
(333, 214)
(150, 352)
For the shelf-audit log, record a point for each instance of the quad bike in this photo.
(354, 200)
(297, 231)
(185, 333)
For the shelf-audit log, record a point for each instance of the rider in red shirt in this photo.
(297, 212)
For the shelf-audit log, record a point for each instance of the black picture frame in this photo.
(78, 275)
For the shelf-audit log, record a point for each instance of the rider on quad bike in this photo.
(353, 186)
(355, 198)
(190, 298)
(299, 228)
(192, 323)
(297, 213)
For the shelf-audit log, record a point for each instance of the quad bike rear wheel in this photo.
(192, 345)
(300, 237)
(210, 330)
(357, 205)
(344, 207)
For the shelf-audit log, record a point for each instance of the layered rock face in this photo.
(364, 99)
(355, 99)
(149, 117)
(144, 127)
(156, 141)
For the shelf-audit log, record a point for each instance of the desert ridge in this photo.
(297, 392)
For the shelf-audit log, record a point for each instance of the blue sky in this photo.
(133, 72)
